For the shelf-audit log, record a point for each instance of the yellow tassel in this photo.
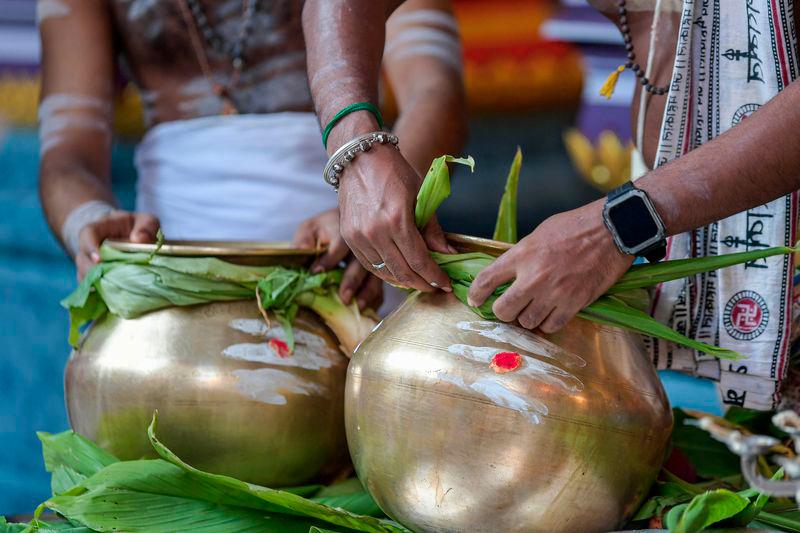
(611, 82)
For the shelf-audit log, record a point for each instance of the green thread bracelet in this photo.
(358, 106)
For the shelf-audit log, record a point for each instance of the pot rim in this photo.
(185, 248)
(195, 248)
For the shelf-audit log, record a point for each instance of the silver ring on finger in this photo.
(378, 266)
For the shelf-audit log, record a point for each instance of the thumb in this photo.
(145, 228)
(306, 235)
(435, 238)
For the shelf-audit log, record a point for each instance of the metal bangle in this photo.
(348, 152)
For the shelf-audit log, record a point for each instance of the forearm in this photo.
(344, 44)
(750, 165)
(65, 187)
(432, 123)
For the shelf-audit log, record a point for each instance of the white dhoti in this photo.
(233, 178)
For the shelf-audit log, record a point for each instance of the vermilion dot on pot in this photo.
(280, 348)
(503, 362)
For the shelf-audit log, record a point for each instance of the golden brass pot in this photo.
(227, 402)
(569, 441)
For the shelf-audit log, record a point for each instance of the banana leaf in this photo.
(166, 495)
(132, 284)
(505, 229)
(436, 187)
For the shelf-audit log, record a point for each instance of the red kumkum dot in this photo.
(506, 362)
(280, 348)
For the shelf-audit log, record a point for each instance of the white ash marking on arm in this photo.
(59, 113)
(46, 9)
(424, 33)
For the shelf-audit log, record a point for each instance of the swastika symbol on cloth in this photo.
(746, 315)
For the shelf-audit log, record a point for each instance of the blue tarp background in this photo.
(34, 275)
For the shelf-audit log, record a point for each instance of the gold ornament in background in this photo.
(605, 165)
(19, 104)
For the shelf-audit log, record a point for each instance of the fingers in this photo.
(559, 317)
(306, 235)
(84, 263)
(370, 296)
(145, 228)
(400, 270)
(352, 280)
(336, 253)
(508, 306)
(534, 314)
(491, 277)
(414, 253)
(435, 239)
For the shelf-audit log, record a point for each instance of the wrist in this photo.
(349, 127)
(80, 217)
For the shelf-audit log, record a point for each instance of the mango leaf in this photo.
(648, 275)
(71, 458)
(611, 311)
(786, 521)
(704, 510)
(436, 187)
(505, 229)
(271, 498)
(709, 457)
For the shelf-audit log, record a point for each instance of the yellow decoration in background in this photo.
(606, 165)
(19, 103)
(611, 83)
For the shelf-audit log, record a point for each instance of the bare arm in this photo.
(423, 63)
(75, 125)
(570, 259)
(344, 41)
(749, 165)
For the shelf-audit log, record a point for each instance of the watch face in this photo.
(633, 222)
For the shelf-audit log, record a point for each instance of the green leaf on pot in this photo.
(612, 311)
(704, 510)
(505, 229)
(436, 187)
(648, 275)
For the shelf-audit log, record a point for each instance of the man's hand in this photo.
(323, 230)
(568, 262)
(137, 227)
(377, 194)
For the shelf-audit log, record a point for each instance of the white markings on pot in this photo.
(512, 390)
(270, 385)
(522, 339)
(46, 9)
(310, 352)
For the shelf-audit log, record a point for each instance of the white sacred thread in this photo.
(50, 9)
(79, 218)
(61, 112)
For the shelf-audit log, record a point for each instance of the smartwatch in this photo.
(634, 223)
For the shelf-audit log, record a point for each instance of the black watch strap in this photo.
(655, 254)
(619, 191)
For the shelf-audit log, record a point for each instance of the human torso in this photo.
(640, 19)
(156, 51)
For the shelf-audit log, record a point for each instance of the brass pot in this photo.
(227, 403)
(569, 441)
